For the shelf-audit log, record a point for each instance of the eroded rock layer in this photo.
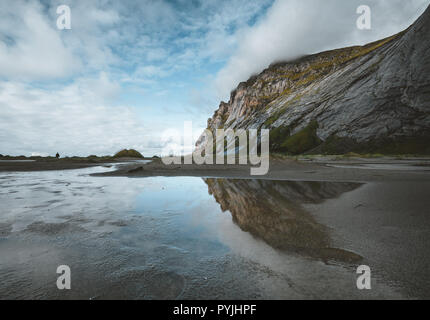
(372, 98)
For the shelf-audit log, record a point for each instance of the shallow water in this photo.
(168, 238)
(17, 160)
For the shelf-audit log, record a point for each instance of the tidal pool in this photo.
(172, 238)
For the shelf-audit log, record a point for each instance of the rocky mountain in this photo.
(372, 98)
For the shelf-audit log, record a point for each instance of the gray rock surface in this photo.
(365, 96)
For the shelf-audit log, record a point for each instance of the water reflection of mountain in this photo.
(273, 212)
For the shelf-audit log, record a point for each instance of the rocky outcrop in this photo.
(372, 98)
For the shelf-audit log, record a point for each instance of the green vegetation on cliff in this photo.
(300, 142)
(386, 146)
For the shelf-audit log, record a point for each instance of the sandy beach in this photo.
(297, 131)
(142, 230)
(60, 164)
(317, 169)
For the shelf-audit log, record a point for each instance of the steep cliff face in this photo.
(372, 98)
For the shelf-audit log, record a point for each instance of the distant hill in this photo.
(128, 154)
(365, 99)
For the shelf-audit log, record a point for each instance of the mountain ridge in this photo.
(371, 98)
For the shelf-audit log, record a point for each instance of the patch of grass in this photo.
(282, 142)
(376, 148)
(331, 59)
(128, 154)
(361, 51)
(277, 136)
(287, 91)
(413, 145)
(318, 66)
(270, 121)
(311, 78)
(303, 140)
(335, 145)
(274, 117)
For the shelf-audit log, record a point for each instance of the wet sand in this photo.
(299, 233)
(61, 164)
(389, 225)
(323, 169)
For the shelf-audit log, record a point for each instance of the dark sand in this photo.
(61, 164)
(315, 169)
(386, 220)
(318, 169)
(389, 225)
(376, 209)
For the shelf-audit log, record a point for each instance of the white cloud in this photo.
(292, 28)
(39, 154)
(58, 88)
(77, 119)
(150, 71)
(34, 49)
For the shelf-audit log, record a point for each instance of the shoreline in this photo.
(324, 168)
(354, 170)
(352, 216)
(29, 165)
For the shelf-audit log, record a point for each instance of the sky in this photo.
(129, 70)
